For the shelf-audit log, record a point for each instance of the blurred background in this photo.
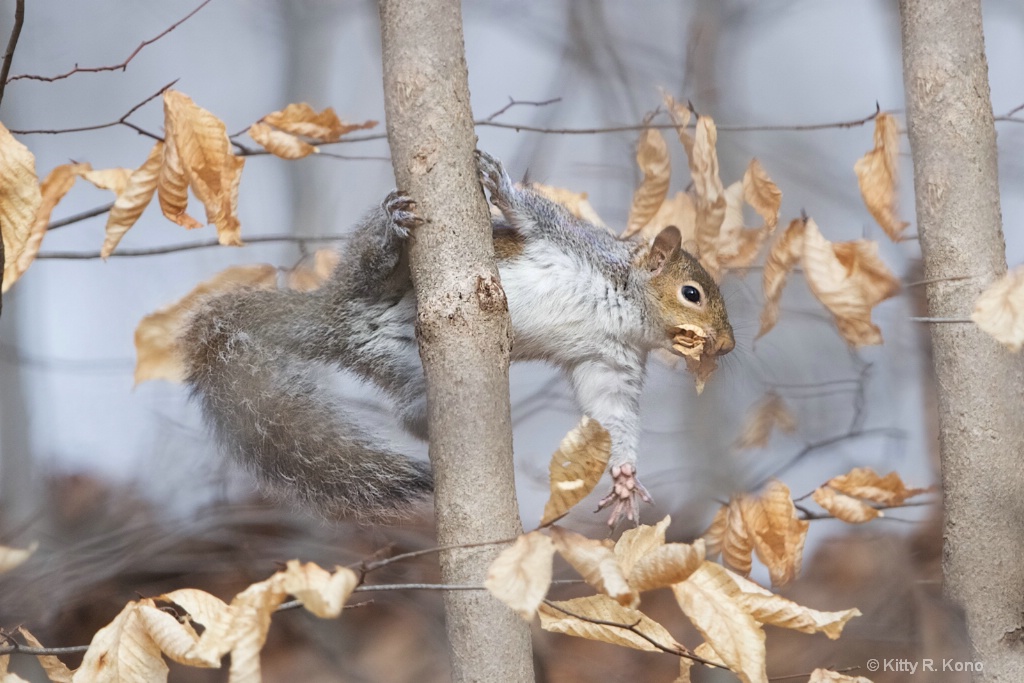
(123, 487)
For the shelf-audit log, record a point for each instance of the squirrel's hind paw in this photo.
(401, 209)
(625, 496)
(494, 178)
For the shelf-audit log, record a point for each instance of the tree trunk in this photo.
(463, 326)
(981, 409)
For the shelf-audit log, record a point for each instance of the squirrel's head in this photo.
(684, 293)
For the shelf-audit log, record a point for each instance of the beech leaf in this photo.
(576, 467)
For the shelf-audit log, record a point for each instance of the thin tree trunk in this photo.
(463, 326)
(980, 384)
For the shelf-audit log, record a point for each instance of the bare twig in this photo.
(75, 218)
(514, 103)
(919, 319)
(96, 69)
(123, 121)
(155, 251)
(19, 21)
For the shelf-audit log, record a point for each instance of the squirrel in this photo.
(579, 298)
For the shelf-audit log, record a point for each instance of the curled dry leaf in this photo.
(689, 341)
(715, 533)
(576, 467)
(878, 173)
(176, 639)
(843, 507)
(56, 670)
(680, 116)
(301, 119)
(737, 544)
(706, 598)
(280, 143)
(999, 311)
(156, 337)
(20, 200)
(123, 651)
(321, 592)
(708, 190)
(653, 159)
(576, 618)
(864, 482)
(521, 574)
(850, 280)
(767, 608)
(765, 416)
(57, 183)
(782, 258)
(762, 193)
(634, 543)
(13, 557)
(133, 199)
(113, 179)
(172, 183)
(575, 203)
(685, 665)
(596, 563)
(777, 533)
(213, 173)
(826, 676)
(666, 565)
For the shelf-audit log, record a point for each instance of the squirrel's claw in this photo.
(625, 495)
(401, 209)
(494, 178)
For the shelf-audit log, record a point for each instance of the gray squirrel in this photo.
(579, 298)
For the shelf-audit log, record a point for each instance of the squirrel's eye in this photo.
(691, 294)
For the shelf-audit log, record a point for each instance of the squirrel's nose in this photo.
(724, 344)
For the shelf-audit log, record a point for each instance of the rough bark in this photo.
(463, 326)
(981, 409)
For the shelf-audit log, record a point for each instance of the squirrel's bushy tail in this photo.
(269, 410)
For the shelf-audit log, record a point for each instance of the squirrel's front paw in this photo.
(494, 179)
(625, 496)
(401, 209)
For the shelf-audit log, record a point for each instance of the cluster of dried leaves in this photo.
(726, 608)
(197, 629)
(195, 155)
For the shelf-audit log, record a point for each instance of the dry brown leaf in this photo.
(653, 159)
(688, 341)
(56, 670)
(20, 200)
(777, 533)
(999, 311)
(666, 565)
(576, 467)
(53, 188)
(123, 652)
(708, 191)
(705, 651)
(302, 119)
(826, 676)
(176, 639)
(575, 203)
(685, 665)
(5, 675)
(156, 336)
(864, 482)
(634, 543)
(715, 533)
(280, 143)
(677, 210)
(782, 258)
(12, 557)
(133, 199)
(596, 563)
(321, 592)
(768, 608)
(521, 574)
(706, 598)
(202, 144)
(843, 507)
(849, 279)
(737, 545)
(680, 116)
(312, 272)
(766, 415)
(878, 174)
(573, 621)
(761, 193)
(172, 183)
(199, 605)
(113, 179)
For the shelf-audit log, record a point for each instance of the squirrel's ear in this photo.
(665, 246)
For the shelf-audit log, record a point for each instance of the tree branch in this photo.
(96, 69)
(123, 121)
(19, 21)
(156, 251)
